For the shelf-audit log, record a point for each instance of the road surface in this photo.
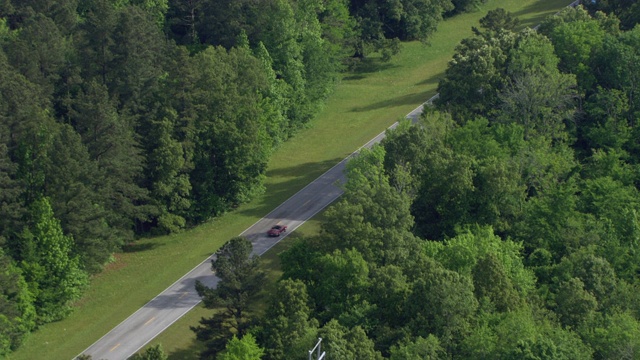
(158, 314)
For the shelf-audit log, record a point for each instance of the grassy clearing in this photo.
(363, 105)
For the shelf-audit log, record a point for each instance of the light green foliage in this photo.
(616, 337)
(463, 252)
(574, 43)
(50, 268)
(441, 303)
(389, 291)
(475, 76)
(373, 217)
(245, 348)
(343, 343)
(428, 348)
(538, 96)
(618, 63)
(17, 314)
(340, 283)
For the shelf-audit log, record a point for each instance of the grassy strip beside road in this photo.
(363, 105)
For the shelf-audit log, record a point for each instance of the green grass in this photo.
(363, 105)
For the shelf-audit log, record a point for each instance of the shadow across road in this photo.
(279, 191)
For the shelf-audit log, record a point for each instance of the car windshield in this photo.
(277, 227)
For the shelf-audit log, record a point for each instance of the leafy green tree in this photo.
(134, 69)
(11, 208)
(96, 41)
(231, 147)
(39, 52)
(475, 76)
(342, 343)
(17, 314)
(490, 280)
(245, 348)
(380, 22)
(373, 217)
(240, 281)
(111, 143)
(288, 329)
(50, 268)
(574, 43)
(441, 303)
(575, 305)
(183, 17)
(617, 337)
(607, 125)
(428, 348)
(618, 68)
(594, 272)
(167, 169)
(341, 281)
(388, 292)
(70, 185)
(627, 12)
(496, 20)
(151, 353)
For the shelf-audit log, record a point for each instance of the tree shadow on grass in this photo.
(139, 247)
(432, 80)
(190, 353)
(279, 192)
(415, 98)
(542, 9)
(368, 66)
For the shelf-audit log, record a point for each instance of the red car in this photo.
(277, 230)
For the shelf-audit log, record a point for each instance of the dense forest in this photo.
(129, 118)
(503, 225)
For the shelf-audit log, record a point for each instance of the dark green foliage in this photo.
(17, 314)
(627, 11)
(231, 145)
(347, 343)
(71, 185)
(495, 21)
(240, 280)
(381, 23)
(288, 330)
(491, 281)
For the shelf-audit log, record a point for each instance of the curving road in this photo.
(158, 314)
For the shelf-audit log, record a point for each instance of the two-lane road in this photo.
(149, 321)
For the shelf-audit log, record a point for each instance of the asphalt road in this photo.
(158, 314)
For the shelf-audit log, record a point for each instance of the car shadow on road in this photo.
(285, 184)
